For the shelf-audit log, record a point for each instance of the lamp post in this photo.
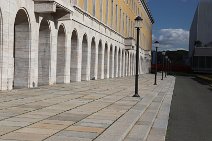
(170, 67)
(138, 21)
(156, 60)
(163, 56)
(166, 61)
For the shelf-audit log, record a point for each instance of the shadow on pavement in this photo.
(201, 81)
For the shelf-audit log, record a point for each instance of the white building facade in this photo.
(45, 42)
(200, 43)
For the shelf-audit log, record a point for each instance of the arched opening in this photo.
(106, 61)
(100, 60)
(111, 62)
(130, 63)
(93, 60)
(134, 71)
(21, 51)
(84, 71)
(140, 69)
(119, 62)
(133, 66)
(61, 41)
(123, 63)
(142, 65)
(74, 56)
(44, 53)
(115, 62)
(126, 63)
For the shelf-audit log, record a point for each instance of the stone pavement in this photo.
(100, 110)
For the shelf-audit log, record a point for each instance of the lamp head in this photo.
(138, 22)
(156, 44)
(163, 53)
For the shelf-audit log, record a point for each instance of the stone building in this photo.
(44, 42)
(200, 42)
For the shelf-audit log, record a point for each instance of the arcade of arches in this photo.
(60, 54)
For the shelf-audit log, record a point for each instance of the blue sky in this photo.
(172, 22)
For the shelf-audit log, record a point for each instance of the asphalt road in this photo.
(191, 111)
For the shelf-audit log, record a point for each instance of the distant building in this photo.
(200, 44)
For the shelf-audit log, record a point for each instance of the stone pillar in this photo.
(89, 60)
(68, 58)
(129, 64)
(120, 63)
(53, 55)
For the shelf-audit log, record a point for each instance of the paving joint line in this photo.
(88, 116)
(54, 115)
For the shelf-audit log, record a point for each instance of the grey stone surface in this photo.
(92, 110)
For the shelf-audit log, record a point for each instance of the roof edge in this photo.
(148, 11)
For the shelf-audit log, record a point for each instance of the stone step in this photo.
(159, 128)
(152, 125)
(143, 126)
(119, 130)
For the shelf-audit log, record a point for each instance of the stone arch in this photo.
(74, 56)
(100, 60)
(119, 62)
(84, 69)
(116, 62)
(21, 52)
(106, 63)
(111, 62)
(93, 60)
(44, 53)
(61, 58)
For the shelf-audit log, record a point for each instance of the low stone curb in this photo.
(120, 129)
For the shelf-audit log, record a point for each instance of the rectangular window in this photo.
(106, 12)
(100, 7)
(120, 21)
(85, 5)
(123, 23)
(116, 17)
(94, 7)
(126, 25)
(112, 13)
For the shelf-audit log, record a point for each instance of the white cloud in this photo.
(173, 39)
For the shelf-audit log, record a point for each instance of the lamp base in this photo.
(136, 95)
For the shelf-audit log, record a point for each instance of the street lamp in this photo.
(163, 56)
(138, 22)
(156, 60)
(168, 66)
(170, 69)
(166, 61)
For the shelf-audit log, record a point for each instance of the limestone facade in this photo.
(44, 42)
